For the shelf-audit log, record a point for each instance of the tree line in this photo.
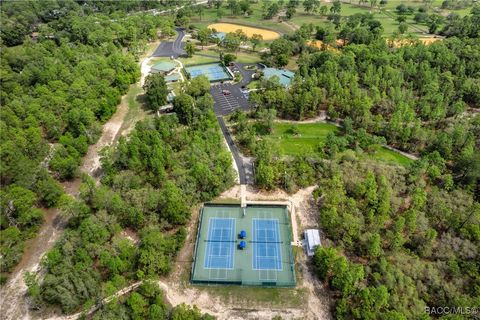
(147, 302)
(59, 84)
(151, 181)
(396, 242)
(420, 99)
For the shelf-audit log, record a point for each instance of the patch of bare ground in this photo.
(309, 300)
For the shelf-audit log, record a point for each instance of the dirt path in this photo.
(317, 306)
(291, 25)
(13, 304)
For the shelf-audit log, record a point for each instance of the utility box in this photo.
(312, 241)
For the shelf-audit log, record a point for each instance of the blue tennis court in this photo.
(213, 71)
(267, 253)
(220, 249)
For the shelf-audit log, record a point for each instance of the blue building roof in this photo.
(285, 76)
(243, 244)
(243, 234)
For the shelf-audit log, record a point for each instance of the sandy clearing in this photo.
(408, 42)
(317, 306)
(249, 31)
(319, 302)
(319, 44)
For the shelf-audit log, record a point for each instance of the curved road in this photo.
(171, 48)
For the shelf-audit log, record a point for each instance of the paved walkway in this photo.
(245, 168)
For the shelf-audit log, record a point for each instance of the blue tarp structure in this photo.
(243, 234)
(242, 245)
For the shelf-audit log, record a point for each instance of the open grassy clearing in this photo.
(197, 59)
(305, 138)
(134, 99)
(154, 61)
(386, 15)
(248, 57)
(242, 57)
(251, 297)
(349, 8)
(386, 155)
(305, 141)
(210, 16)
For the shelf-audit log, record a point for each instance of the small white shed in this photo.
(312, 240)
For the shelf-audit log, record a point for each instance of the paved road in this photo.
(171, 48)
(226, 104)
(238, 97)
(246, 74)
(245, 167)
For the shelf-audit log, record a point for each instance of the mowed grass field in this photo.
(210, 16)
(386, 155)
(309, 137)
(386, 15)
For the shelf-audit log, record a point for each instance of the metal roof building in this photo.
(285, 76)
(312, 240)
(174, 77)
(163, 67)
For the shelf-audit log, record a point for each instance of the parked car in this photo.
(226, 92)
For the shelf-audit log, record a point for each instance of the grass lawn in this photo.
(255, 84)
(386, 155)
(242, 56)
(310, 135)
(135, 109)
(387, 19)
(306, 142)
(156, 60)
(248, 57)
(196, 59)
(292, 64)
(255, 20)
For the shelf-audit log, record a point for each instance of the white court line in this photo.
(278, 265)
(222, 230)
(207, 246)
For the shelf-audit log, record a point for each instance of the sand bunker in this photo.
(249, 31)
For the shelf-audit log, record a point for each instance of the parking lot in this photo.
(227, 103)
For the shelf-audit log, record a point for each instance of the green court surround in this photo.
(242, 272)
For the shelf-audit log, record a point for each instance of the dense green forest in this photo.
(64, 67)
(396, 243)
(420, 99)
(151, 181)
(398, 239)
